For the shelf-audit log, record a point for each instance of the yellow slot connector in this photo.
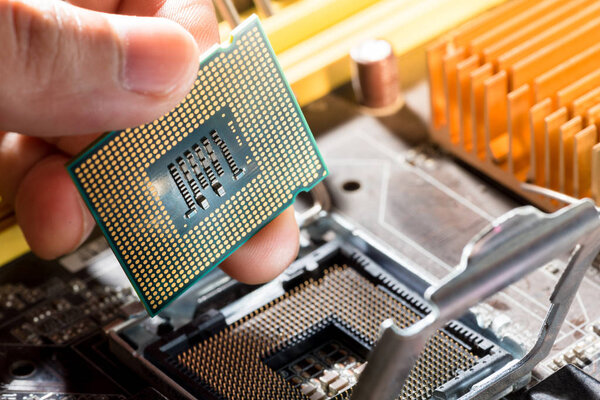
(12, 244)
(535, 66)
(304, 19)
(320, 64)
(313, 38)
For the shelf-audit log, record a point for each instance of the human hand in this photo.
(70, 71)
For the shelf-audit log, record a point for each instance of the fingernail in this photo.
(158, 55)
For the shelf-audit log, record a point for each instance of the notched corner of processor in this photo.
(233, 35)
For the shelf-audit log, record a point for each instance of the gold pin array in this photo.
(160, 260)
(230, 362)
(516, 93)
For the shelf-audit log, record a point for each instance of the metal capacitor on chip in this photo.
(375, 74)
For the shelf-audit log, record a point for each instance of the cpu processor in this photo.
(176, 196)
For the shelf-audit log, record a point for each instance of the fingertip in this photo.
(267, 253)
(17, 154)
(197, 16)
(160, 57)
(74, 71)
(50, 211)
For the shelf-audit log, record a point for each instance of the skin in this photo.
(72, 71)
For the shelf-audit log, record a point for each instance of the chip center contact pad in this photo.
(176, 196)
(196, 176)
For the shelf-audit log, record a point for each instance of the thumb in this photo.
(68, 70)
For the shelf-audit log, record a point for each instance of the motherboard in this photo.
(412, 177)
(69, 326)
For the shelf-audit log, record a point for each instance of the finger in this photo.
(73, 144)
(18, 153)
(267, 253)
(50, 211)
(197, 16)
(68, 70)
(107, 6)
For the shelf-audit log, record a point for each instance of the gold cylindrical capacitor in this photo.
(375, 75)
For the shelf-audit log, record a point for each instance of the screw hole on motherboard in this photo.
(351, 186)
(22, 369)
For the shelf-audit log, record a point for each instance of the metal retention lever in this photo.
(516, 244)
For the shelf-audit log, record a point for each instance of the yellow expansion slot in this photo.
(320, 64)
(304, 19)
(12, 244)
(312, 38)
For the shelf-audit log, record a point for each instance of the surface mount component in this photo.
(176, 196)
